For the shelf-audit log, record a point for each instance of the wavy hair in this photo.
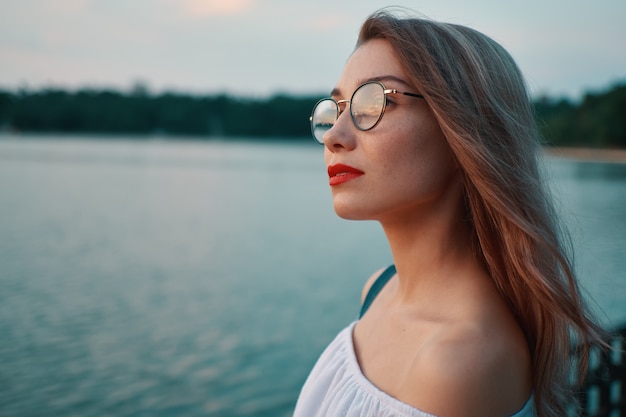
(479, 97)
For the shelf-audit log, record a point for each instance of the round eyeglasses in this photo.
(367, 107)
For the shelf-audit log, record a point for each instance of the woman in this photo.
(430, 131)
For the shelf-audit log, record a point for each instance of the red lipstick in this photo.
(340, 173)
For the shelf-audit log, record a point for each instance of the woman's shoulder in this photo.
(465, 357)
(470, 369)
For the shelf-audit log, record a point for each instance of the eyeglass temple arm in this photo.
(413, 95)
(404, 93)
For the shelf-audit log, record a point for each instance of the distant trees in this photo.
(112, 112)
(598, 120)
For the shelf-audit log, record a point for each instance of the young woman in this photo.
(430, 131)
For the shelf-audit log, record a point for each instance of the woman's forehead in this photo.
(374, 60)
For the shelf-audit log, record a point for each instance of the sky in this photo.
(257, 48)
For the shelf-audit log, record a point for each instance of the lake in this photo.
(144, 277)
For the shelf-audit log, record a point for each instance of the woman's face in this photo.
(402, 166)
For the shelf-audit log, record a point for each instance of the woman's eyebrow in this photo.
(336, 92)
(382, 78)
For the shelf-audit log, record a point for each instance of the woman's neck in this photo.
(431, 247)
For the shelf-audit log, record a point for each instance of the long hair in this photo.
(479, 97)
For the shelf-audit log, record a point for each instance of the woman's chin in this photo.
(351, 213)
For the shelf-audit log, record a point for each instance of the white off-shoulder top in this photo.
(337, 387)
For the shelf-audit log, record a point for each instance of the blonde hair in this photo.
(480, 100)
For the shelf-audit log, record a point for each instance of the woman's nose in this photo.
(342, 136)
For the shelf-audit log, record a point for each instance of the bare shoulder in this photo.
(472, 372)
(368, 284)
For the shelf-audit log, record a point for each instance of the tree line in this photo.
(597, 120)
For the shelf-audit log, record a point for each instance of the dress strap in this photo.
(378, 285)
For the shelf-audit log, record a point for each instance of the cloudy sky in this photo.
(260, 47)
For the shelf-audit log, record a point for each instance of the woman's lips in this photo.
(340, 173)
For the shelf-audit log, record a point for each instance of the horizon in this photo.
(142, 89)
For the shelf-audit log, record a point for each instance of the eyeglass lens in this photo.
(367, 105)
(324, 117)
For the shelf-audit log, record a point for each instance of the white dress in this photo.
(337, 387)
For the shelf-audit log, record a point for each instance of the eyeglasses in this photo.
(367, 107)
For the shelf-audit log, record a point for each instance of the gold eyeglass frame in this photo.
(339, 102)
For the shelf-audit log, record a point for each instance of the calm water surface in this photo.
(204, 278)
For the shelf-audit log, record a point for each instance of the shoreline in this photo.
(617, 156)
(603, 155)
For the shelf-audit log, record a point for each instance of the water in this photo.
(204, 278)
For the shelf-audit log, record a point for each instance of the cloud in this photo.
(210, 8)
(327, 22)
(67, 6)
